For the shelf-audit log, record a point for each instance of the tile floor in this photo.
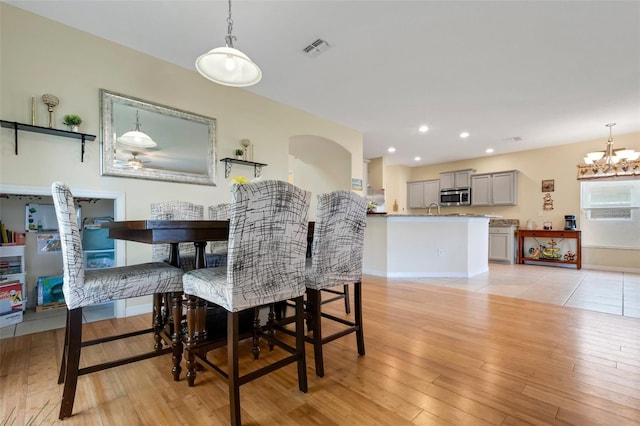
(616, 293)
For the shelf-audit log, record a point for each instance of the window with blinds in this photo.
(611, 213)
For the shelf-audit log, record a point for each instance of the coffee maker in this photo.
(570, 223)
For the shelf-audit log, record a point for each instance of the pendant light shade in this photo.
(136, 138)
(228, 66)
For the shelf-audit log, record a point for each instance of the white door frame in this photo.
(118, 214)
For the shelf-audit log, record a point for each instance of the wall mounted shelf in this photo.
(257, 167)
(47, 131)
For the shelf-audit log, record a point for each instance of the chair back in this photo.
(267, 242)
(338, 239)
(219, 212)
(72, 256)
(174, 210)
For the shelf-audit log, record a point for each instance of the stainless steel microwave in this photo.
(455, 197)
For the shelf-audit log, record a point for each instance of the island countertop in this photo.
(453, 245)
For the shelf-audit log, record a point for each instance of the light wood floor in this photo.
(435, 355)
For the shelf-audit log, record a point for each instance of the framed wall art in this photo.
(548, 185)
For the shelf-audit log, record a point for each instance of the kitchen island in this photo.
(405, 246)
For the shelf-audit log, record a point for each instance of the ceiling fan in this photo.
(133, 162)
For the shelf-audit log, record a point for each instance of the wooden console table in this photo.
(539, 250)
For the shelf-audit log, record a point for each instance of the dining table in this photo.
(168, 307)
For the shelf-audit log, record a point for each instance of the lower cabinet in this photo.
(495, 189)
(422, 193)
(502, 244)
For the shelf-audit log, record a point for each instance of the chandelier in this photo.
(610, 162)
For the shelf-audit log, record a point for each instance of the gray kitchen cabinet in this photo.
(422, 193)
(495, 189)
(502, 244)
(481, 190)
(456, 179)
(504, 187)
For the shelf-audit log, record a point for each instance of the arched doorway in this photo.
(318, 165)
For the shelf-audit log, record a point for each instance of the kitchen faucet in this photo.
(431, 205)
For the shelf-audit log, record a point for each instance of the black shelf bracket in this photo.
(257, 167)
(47, 131)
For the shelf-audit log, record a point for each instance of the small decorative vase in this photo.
(75, 128)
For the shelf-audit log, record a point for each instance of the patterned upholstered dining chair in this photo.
(338, 240)
(265, 264)
(176, 210)
(88, 287)
(217, 253)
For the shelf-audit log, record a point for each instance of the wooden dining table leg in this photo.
(157, 321)
(173, 315)
(200, 323)
(176, 337)
(191, 338)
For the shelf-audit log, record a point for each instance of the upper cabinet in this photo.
(481, 190)
(422, 193)
(456, 179)
(495, 189)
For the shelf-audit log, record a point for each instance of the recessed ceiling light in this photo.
(391, 149)
(423, 129)
(417, 159)
(489, 150)
(464, 135)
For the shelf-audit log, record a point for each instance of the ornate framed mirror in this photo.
(142, 139)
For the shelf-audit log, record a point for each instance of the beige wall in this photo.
(36, 59)
(557, 163)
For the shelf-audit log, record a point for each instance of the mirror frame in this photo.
(108, 157)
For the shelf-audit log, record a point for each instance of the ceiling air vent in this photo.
(513, 139)
(315, 48)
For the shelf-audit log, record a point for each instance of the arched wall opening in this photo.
(318, 165)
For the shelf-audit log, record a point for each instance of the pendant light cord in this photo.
(229, 37)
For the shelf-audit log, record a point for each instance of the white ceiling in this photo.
(549, 72)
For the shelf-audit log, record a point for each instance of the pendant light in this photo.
(228, 66)
(136, 138)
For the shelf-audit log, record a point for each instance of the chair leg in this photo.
(314, 301)
(65, 352)
(233, 373)
(72, 362)
(357, 293)
(347, 305)
(302, 362)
